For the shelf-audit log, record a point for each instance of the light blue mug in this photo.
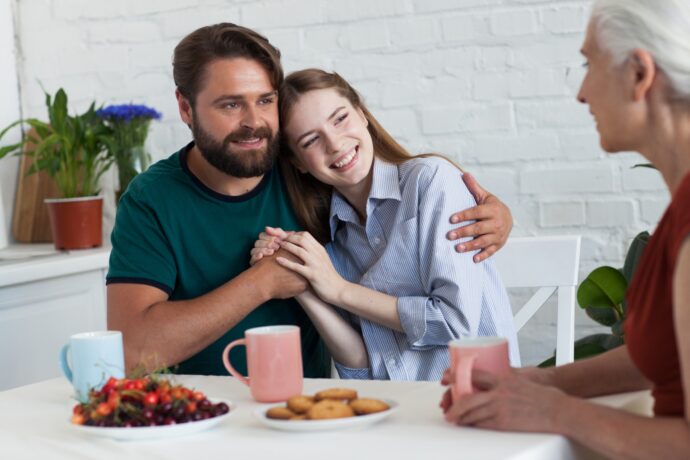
(95, 357)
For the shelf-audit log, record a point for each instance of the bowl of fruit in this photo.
(147, 407)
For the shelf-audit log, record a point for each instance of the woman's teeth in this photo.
(346, 161)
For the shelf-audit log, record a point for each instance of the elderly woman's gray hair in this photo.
(661, 27)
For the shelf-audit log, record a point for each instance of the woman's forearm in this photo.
(608, 373)
(370, 304)
(344, 343)
(622, 435)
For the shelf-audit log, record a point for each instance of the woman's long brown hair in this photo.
(310, 198)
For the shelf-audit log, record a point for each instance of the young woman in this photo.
(638, 89)
(387, 294)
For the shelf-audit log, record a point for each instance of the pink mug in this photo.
(274, 362)
(489, 354)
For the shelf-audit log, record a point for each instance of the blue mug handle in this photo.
(63, 362)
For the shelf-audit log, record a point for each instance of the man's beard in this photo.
(248, 163)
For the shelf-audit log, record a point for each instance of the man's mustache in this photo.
(246, 134)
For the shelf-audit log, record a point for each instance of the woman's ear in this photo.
(644, 73)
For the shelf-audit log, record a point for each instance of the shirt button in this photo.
(392, 362)
(377, 240)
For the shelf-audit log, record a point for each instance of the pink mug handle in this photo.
(462, 377)
(226, 361)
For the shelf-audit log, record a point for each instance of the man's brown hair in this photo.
(221, 41)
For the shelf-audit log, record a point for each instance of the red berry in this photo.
(198, 396)
(151, 399)
(190, 408)
(103, 409)
(78, 419)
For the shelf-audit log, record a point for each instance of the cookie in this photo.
(366, 406)
(339, 394)
(329, 409)
(280, 413)
(299, 417)
(300, 404)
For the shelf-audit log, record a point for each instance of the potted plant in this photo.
(130, 127)
(72, 150)
(602, 296)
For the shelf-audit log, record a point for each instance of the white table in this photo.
(34, 423)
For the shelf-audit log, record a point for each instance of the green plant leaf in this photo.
(644, 165)
(634, 254)
(617, 328)
(57, 113)
(603, 316)
(12, 148)
(603, 288)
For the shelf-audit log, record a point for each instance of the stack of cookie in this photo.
(327, 404)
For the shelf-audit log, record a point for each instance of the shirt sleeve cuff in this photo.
(363, 373)
(412, 313)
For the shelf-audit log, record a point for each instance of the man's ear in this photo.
(644, 73)
(184, 107)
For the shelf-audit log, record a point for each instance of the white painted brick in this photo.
(288, 41)
(651, 209)
(565, 19)
(529, 146)
(426, 6)
(379, 66)
(552, 114)
(455, 61)
(87, 9)
(561, 213)
(413, 32)
(152, 56)
(140, 7)
(404, 93)
(491, 86)
(178, 24)
(448, 91)
(557, 51)
(324, 40)
(354, 10)
(123, 32)
(366, 36)
(580, 144)
(502, 182)
(537, 83)
(643, 179)
(466, 27)
(283, 13)
(495, 58)
(610, 213)
(471, 117)
(512, 23)
(398, 122)
(567, 180)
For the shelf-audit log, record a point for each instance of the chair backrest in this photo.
(550, 263)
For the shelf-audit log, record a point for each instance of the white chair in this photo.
(550, 263)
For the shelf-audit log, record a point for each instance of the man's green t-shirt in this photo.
(174, 233)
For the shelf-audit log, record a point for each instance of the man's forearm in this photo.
(169, 332)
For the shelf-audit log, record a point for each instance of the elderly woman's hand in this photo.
(493, 222)
(509, 403)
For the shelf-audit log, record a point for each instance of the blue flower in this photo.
(128, 112)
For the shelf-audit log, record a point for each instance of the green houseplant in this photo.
(602, 296)
(72, 150)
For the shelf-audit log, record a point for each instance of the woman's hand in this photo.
(510, 403)
(267, 244)
(317, 267)
(493, 222)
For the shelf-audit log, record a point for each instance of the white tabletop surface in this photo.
(34, 424)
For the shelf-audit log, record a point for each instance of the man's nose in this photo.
(250, 119)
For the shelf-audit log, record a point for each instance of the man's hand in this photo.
(492, 226)
(280, 282)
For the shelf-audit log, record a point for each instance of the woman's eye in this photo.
(341, 118)
(310, 142)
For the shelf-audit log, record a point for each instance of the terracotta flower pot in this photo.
(76, 223)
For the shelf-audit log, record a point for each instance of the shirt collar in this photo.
(385, 186)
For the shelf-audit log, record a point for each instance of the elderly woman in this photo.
(638, 90)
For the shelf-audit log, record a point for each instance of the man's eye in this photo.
(266, 101)
(231, 105)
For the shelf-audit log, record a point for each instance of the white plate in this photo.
(324, 425)
(149, 432)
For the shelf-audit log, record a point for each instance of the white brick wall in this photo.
(490, 82)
